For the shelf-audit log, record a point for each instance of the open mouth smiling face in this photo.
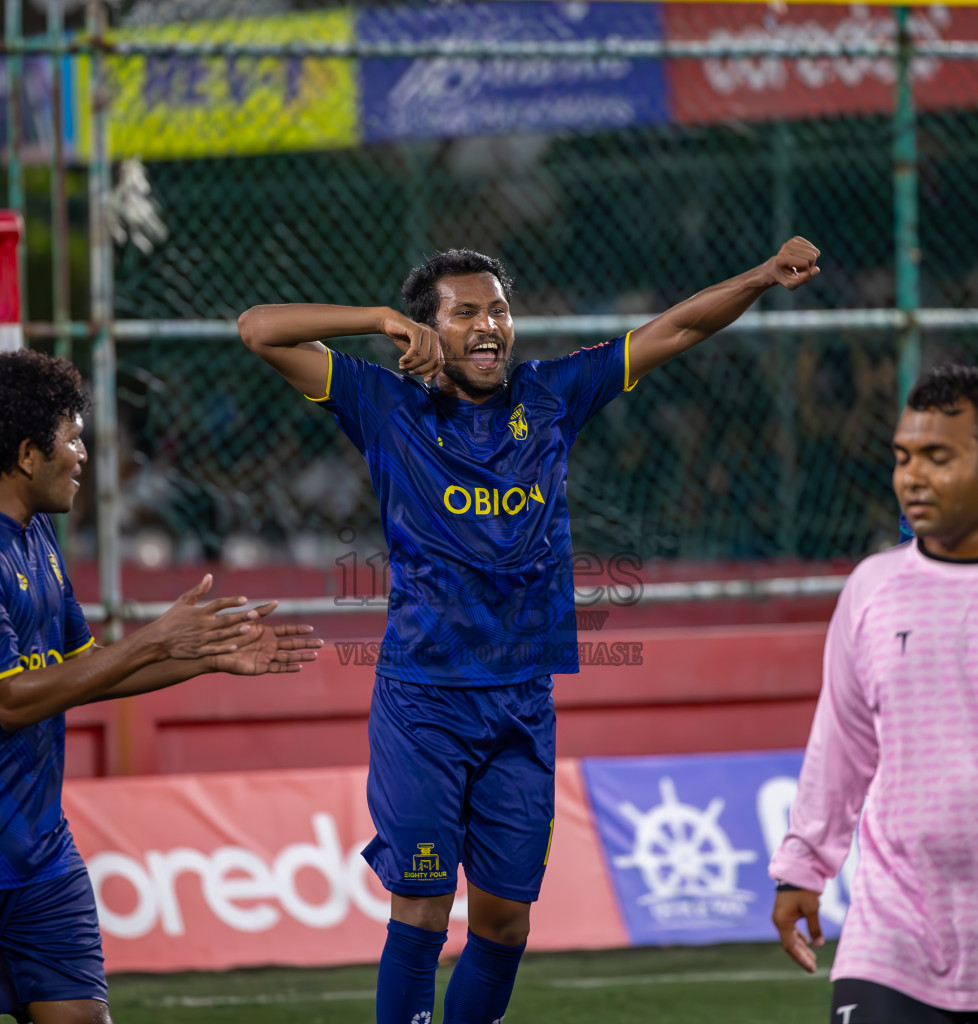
(487, 355)
(476, 332)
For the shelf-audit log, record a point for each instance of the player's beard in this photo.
(472, 387)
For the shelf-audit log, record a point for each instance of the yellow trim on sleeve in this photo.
(628, 339)
(84, 647)
(329, 380)
(11, 672)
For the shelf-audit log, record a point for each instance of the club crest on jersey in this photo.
(517, 423)
(22, 580)
(57, 568)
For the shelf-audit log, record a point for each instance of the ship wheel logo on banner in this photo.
(686, 860)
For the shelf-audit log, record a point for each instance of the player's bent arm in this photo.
(27, 697)
(156, 676)
(288, 337)
(702, 315)
(185, 632)
(292, 323)
(265, 649)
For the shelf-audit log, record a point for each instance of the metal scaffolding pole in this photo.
(905, 210)
(103, 351)
(13, 40)
(60, 262)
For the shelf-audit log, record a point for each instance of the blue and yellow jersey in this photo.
(474, 508)
(41, 623)
(906, 531)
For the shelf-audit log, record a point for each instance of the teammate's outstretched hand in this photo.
(187, 630)
(419, 344)
(795, 263)
(789, 908)
(270, 648)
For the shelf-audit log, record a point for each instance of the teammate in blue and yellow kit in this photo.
(50, 950)
(469, 462)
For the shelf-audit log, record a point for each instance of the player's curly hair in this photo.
(37, 392)
(420, 295)
(944, 387)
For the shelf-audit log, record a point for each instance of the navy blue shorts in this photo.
(50, 946)
(461, 776)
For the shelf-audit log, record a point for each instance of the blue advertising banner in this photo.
(688, 840)
(449, 97)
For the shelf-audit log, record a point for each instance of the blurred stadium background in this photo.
(181, 160)
(280, 178)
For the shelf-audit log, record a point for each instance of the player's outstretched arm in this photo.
(265, 649)
(695, 319)
(289, 338)
(187, 632)
(789, 908)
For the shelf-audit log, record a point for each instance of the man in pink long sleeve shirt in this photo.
(895, 735)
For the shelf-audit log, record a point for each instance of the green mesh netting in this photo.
(756, 445)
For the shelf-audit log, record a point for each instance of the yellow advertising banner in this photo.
(174, 105)
(776, 4)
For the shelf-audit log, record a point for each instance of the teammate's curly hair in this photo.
(944, 387)
(420, 295)
(37, 392)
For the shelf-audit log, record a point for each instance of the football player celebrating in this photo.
(468, 458)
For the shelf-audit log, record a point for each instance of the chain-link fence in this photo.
(617, 157)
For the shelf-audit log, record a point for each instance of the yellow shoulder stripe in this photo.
(329, 380)
(628, 341)
(84, 647)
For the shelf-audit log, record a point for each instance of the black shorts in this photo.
(855, 1001)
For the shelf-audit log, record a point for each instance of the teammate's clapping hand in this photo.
(188, 630)
(270, 648)
(419, 344)
(795, 263)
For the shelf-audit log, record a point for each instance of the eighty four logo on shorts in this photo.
(425, 865)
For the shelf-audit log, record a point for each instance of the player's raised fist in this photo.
(796, 263)
(419, 344)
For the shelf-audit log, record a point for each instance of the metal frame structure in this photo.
(908, 319)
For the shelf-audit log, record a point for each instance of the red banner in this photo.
(215, 871)
(11, 231)
(718, 89)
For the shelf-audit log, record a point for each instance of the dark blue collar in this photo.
(12, 525)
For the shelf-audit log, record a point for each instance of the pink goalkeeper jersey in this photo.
(897, 727)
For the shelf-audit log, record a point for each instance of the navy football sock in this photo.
(482, 982)
(406, 976)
